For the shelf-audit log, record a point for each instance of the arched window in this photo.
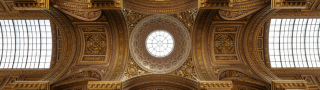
(294, 43)
(25, 44)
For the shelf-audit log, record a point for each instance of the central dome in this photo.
(159, 43)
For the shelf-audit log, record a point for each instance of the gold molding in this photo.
(31, 85)
(104, 85)
(215, 85)
(288, 84)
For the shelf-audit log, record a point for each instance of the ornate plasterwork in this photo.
(288, 84)
(133, 18)
(187, 18)
(164, 64)
(84, 74)
(186, 70)
(133, 69)
(237, 14)
(104, 85)
(224, 43)
(31, 85)
(289, 4)
(232, 73)
(215, 85)
(160, 7)
(230, 4)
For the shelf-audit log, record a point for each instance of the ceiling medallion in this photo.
(148, 32)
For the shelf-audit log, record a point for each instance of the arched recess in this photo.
(200, 47)
(160, 80)
(77, 78)
(120, 42)
(241, 78)
(68, 45)
(249, 44)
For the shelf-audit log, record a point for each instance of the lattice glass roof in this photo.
(294, 43)
(25, 44)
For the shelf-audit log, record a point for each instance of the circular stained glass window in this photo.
(160, 43)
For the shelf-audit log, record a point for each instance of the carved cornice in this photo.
(24, 16)
(215, 85)
(288, 84)
(104, 85)
(31, 85)
(229, 4)
(290, 4)
(250, 44)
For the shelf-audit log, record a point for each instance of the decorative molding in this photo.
(309, 79)
(229, 4)
(24, 16)
(187, 18)
(104, 85)
(160, 7)
(133, 69)
(215, 85)
(232, 73)
(216, 70)
(186, 70)
(30, 4)
(288, 84)
(84, 74)
(248, 70)
(31, 85)
(133, 18)
(237, 14)
(289, 4)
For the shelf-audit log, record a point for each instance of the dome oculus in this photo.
(159, 43)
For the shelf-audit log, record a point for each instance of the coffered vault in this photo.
(103, 45)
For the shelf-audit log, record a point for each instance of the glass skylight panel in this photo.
(25, 44)
(294, 43)
(159, 43)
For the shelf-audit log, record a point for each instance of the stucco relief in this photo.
(160, 64)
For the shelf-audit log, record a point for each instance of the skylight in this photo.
(25, 44)
(294, 43)
(160, 43)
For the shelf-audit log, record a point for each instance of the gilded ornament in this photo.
(95, 58)
(224, 43)
(216, 70)
(95, 44)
